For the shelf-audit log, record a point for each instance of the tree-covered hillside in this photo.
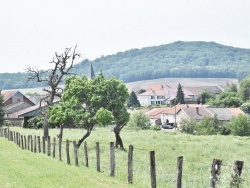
(178, 59)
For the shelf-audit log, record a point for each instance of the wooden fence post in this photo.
(25, 142)
(22, 141)
(67, 152)
(112, 159)
(54, 147)
(39, 144)
(98, 157)
(75, 153)
(16, 138)
(31, 143)
(86, 154)
(130, 164)
(60, 147)
(215, 172)
(236, 179)
(48, 146)
(35, 144)
(14, 134)
(28, 142)
(43, 144)
(152, 169)
(179, 171)
(19, 139)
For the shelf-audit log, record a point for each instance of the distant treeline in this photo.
(175, 60)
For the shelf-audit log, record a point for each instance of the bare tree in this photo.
(63, 63)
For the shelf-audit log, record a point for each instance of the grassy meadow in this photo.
(22, 168)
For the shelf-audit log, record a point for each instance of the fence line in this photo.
(34, 145)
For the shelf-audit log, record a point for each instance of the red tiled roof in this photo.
(7, 94)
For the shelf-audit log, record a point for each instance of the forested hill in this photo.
(178, 59)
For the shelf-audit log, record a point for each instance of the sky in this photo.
(32, 31)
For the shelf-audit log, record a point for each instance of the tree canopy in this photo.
(133, 100)
(88, 102)
(180, 95)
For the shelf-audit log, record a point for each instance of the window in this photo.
(160, 97)
(152, 97)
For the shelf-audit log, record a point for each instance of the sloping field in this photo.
(186, 82)
(172, 82)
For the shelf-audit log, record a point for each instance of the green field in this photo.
(22, 168)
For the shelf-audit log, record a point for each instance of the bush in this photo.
(188, 126)
(155, 128)
(224, 129)
(36, 122)
(240, 126)
(208, 126)
(138, 119)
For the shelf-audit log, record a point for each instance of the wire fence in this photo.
(137, 166)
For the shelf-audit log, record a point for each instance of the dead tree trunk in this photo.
(46, 126)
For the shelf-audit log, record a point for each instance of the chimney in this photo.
(197, 110)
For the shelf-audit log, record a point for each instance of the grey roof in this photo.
(225, 114)
(196, 113)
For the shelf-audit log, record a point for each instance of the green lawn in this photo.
(26, 169)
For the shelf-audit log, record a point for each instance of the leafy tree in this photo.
(244, 91)
(36, 122)
(1, 110)
(104, 117)
(188, 126)
(208, 126)
(139, 120)
(63, 63)
(205, 96)
(232, 87)
(245, 107)
(240, 126)
(86, 102)
(132, 100)
(225, 100)
(180, 95)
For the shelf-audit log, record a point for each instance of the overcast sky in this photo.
(32, 31)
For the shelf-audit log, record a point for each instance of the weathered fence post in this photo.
(152, 169)
(60, 147)
(54, 147)
(22, 142)
(130, 164)
(179, 171)
(35, 144)
(28, 142)
(112, 159)
(67, 151)
(16, 138)
(236, 179)
(31, 143)
(43, 144)
(86, 154)
(25, 142)
(39, 144)
(98, 165)
(48, 146)
(19, 139)
(215, 172)
(14, 134)
(75, 153)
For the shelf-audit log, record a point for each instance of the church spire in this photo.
(91, 72)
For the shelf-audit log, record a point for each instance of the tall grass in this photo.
(198, 153)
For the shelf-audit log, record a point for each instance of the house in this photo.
(22, 116)
(200, 112)
(169, 116)
(13, 97)
(14, 101)
(164, 95)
